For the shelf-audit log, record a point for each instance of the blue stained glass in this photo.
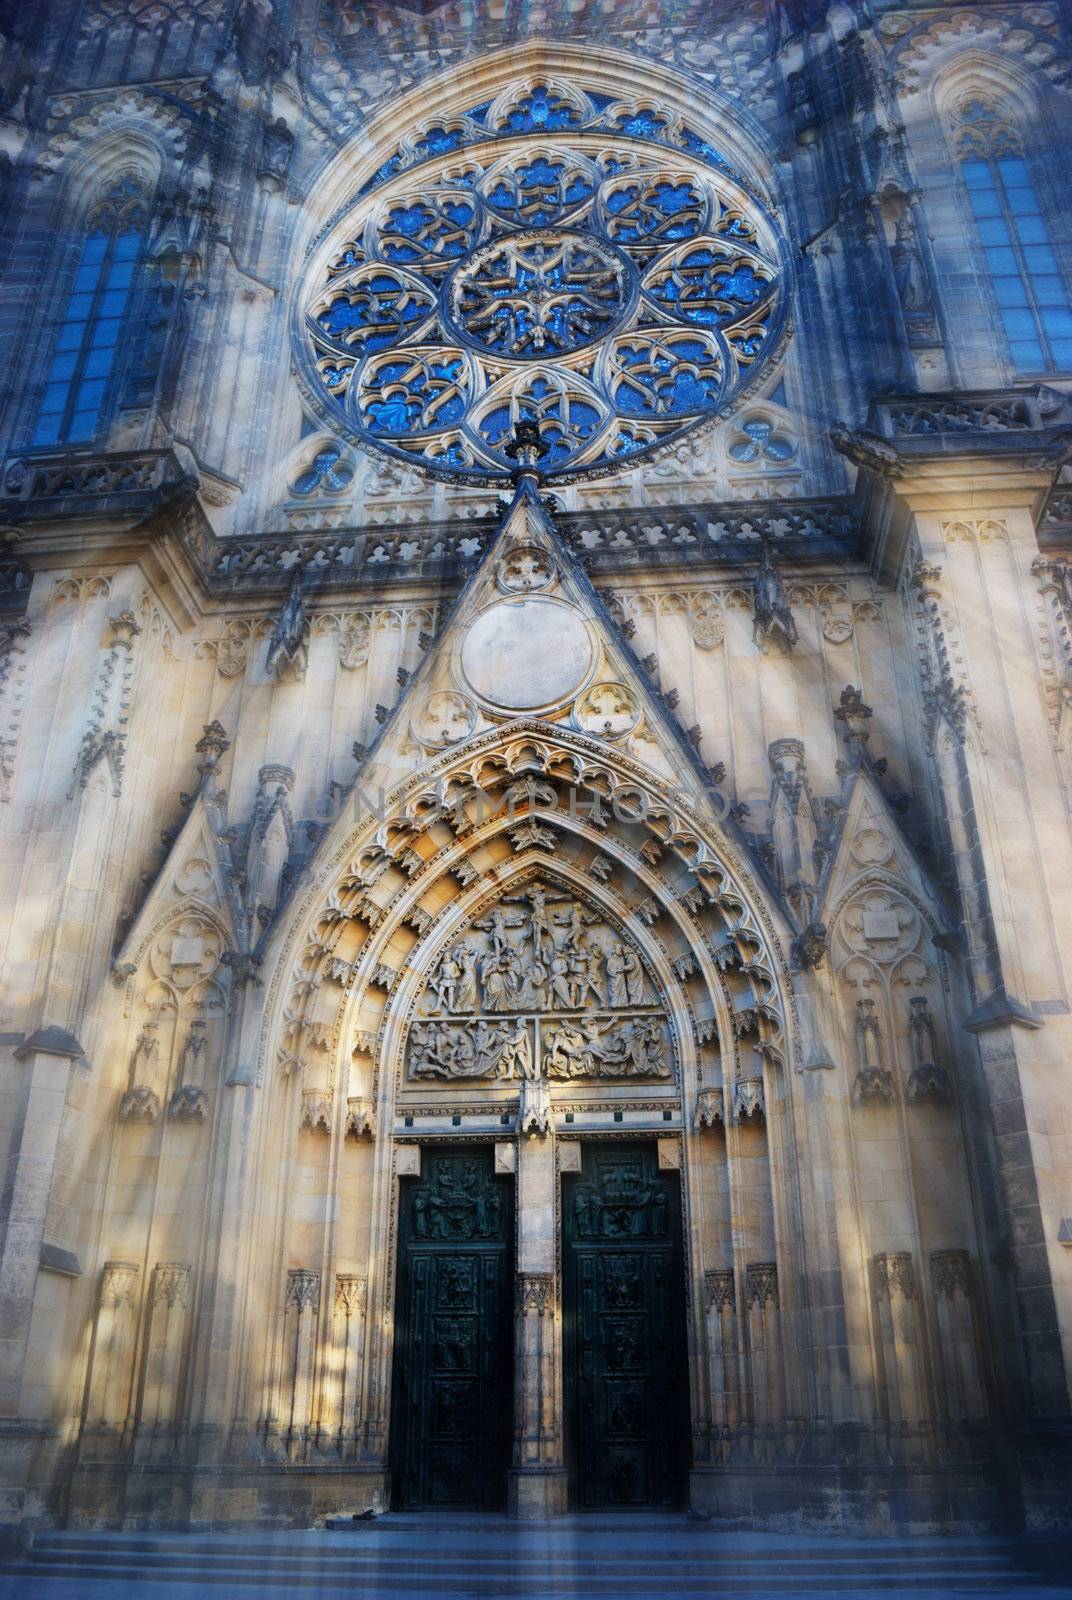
(1062, 352)
(90, 393)
(327, 471)
(1000, 261)
(105, 333)
(1019, 324)
(1057, 323)
(992, 230)
(1014, 170)
(1010, 291)
(1026, 354)
(986, 204)
(1032, 230)
(1040, 258)
(47, 430)
(86, 340)
(83, 425)
(1049, 291)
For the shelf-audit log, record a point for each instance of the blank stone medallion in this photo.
(521, 654)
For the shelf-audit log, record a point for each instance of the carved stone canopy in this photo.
(540, 985)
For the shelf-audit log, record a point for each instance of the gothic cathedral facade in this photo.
(535, 777)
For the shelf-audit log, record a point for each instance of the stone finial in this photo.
(772, 614)
(710, 1110)
(288, 647)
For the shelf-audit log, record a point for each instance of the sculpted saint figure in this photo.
(445, 981)
(467, 998)
(626, 973)
(497, 926)
(561, 988)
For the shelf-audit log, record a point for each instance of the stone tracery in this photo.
(646, 288)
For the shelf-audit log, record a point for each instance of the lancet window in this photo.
(86, 355)
(1031, 292)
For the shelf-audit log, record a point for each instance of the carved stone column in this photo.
(349, 1345)
(720, 1316)
(894, 1282)
(299, 1363)
(111, 1369)
(765, 1353)
(962, 1388)
(537, 1484)
(165, 1345)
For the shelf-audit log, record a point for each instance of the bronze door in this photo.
(626, 1368)
(453, 1391)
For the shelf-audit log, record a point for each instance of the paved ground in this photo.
(459, 1557)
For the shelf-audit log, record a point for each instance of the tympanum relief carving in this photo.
(540, 987)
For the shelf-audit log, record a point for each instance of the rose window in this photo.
(589, 266)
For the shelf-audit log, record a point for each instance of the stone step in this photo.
(431, 1581)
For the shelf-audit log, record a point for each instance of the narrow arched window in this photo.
(86, 355)
(1031, 292)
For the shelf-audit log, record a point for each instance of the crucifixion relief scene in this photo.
(535, 797)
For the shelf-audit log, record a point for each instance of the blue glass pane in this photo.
(47, 430)
(86, 277)
(1010, 292)
(1026, 354)
(113, 303)
(1013, 169)
(79, 307)
(70, 337)
(1022, 197)
(83, 423)
(1032, 230)
(54, 397)
(977, 174)
(1062, 352)
(121, 274)
(90, 393)
(986, 204)
(105, 332)
(1049, 291)
(94, 247)
(127, 246)
(62, 367)
(1001, 261)
(98, 363)
(1019, 324)
(1040, 258)
(992, 230)
(1057, 323)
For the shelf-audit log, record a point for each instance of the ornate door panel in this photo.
(452, 1410)
(626, 1367)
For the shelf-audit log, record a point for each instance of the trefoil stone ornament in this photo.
(710, 1110)
(316, 1111)
(749, 1104)
(360, 1118)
